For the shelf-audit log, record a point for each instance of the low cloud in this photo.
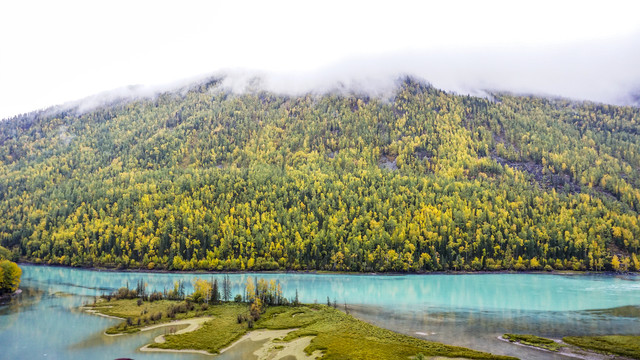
(603, 71)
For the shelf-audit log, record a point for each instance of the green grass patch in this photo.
(533, 340)
(284, 317)
(624, 345)
(342, 336)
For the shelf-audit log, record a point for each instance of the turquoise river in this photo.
(469, 310)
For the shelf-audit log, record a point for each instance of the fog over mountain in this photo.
(70, 50)
(603, 71)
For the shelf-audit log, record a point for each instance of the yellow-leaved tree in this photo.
(202, 290)
(10, 275)
(615, 263)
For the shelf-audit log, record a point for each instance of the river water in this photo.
(469, 310)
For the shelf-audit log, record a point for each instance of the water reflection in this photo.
(542, 292)
(465, 310)
(480, 329)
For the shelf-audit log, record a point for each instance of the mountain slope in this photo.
(428, 181)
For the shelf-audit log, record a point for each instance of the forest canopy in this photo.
(424, 181)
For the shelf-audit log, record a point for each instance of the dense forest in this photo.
(423, 181)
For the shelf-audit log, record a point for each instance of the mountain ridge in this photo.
(208, 179)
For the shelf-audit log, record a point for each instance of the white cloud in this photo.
(53, 52)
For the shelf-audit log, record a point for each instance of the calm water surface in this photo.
(465, 310)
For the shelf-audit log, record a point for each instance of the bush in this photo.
(124, 293)
(155, 296)
(238, 298)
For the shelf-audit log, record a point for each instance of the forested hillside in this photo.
(425, 181)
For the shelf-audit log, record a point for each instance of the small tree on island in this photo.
(141, 289)
(215, 292)
(201, 291)
(226, 288)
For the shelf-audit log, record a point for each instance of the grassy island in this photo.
(318, 331)
(623, 345)
(591, 347)
(534, 341)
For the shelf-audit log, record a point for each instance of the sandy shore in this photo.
(193, 325)
(96, 312)
(147, 348)
(259, 335)
(275, 348)
(279, 350)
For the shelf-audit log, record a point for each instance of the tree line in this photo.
(258, 294)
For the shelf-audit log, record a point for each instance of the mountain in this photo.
(427, 180)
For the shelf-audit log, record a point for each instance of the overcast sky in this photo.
(52, 52)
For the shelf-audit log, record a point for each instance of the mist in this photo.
(603, 71)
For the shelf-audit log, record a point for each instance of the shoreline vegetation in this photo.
(329, 272)
(216, 323)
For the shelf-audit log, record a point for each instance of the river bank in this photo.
(326, 272)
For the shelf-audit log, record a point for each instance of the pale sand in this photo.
(97, 312)
(275, 348)
(194, 324)
(259, 335)
(147, 348)
(279, 350)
